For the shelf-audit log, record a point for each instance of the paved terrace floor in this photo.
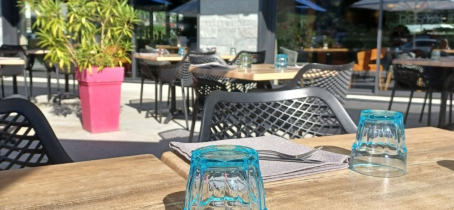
(139, 134)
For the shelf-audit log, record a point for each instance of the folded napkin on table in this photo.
(276, 170)
(214, 65)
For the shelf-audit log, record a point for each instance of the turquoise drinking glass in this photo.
(281, 61)
(225, 177)
(379, 149)
(181, 51)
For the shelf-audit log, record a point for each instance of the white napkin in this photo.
(276, 170)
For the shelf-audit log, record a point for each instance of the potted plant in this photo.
(94, 36)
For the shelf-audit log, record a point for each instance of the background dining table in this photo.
(447, 66)
(257, 72)
(171, 57)
(6, 61)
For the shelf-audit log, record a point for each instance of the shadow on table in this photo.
(174, 201)
(449, 164)
(83, 150)
(337, 150)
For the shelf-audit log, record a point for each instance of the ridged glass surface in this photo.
(379, 149)
(225, 177)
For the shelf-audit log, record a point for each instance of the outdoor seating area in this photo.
(226, 104)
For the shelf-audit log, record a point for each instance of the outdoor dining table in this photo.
(171, 57)
(428, 183)
(135, 182)
(144, 182)
(31, 56)
(448, 65)
(5, 61)
(257, 72)
(327, 51)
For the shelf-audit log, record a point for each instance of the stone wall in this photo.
(226, 31)
(224, 24)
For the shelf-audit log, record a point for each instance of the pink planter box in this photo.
(100, 98)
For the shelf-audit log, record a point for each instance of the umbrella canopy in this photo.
(306, 4)
(188, 9)
(414, 6)
(161, 1)
(406, 5)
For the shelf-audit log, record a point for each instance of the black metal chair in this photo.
(15, 51)
(245, 85)
(409, 77)
(257, 57)
(149, 71)
(176, 75)
(207, 83)
(414, 78)
(299, 113)
(26, 138)
(333, 78)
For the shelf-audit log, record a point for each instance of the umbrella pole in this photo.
(415, 14)
(379, 38)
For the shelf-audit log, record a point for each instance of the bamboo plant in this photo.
(93, 33)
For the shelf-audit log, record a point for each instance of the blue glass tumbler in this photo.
(224, 177)
(181, 51)
(281, 61)
(379, 149)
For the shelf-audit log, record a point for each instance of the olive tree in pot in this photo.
(95, 36)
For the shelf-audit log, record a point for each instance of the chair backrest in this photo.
(26, 138)
(206, 84)
(257, 57)
(291, 55)
(300, 113)
(374, 53)
(148, 69)
(333, 78)
(410, 76)
(363, 58)
(206, 59)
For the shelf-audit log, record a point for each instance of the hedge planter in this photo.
(100, 95)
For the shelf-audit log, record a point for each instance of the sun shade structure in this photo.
(405, 5)
(188, 9)
(309, 5)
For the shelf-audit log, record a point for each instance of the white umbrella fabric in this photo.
(414, 6)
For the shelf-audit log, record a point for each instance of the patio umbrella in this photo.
(306, 4)
(414, 6)
(188, 9)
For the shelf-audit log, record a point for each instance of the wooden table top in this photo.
(36, 52)
(11, 61)
(136, 182)
(325, 50)
(443, 62)
(447, 51)
(168, 47)
(258, 72)
(428, 185)
(171, 57)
